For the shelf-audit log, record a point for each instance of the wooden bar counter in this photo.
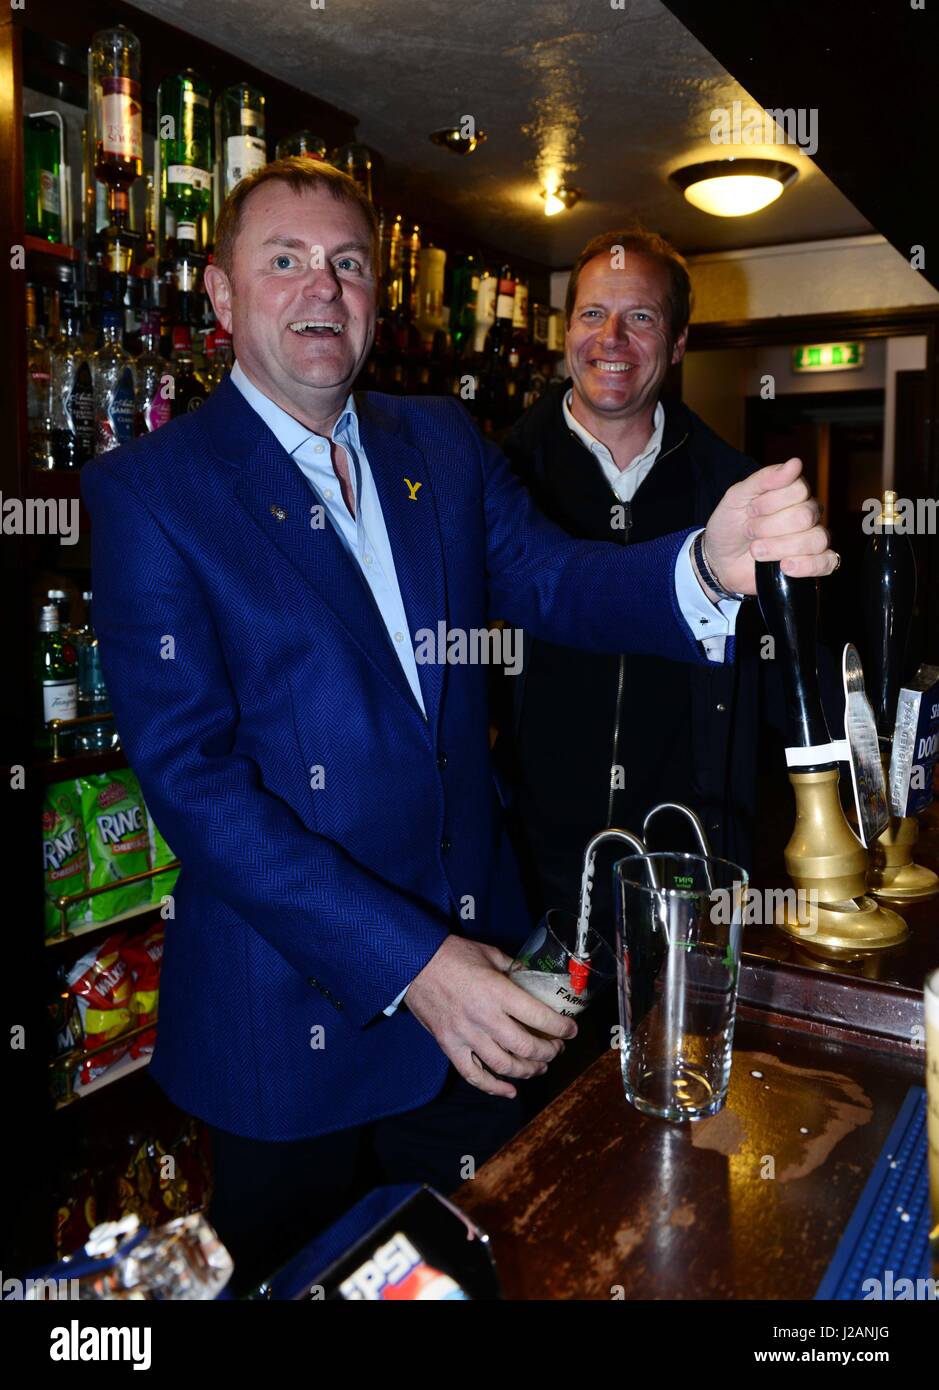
(594, 1200)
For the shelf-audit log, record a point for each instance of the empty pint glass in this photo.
(678, 929)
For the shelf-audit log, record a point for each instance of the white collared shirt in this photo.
(711, 623)
(364, 535)
(624, 481)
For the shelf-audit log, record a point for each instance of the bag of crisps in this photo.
(118, 839)
(102, 983)
(64, 856)
(143, 955)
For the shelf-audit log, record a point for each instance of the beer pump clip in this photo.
(824, 857)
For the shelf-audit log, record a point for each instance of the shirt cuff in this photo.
(711, 623)
(395, 1002)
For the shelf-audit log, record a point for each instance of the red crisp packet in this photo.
(101, 983)
(143, 955)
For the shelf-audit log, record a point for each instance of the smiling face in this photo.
(619, 339)
(300, 303)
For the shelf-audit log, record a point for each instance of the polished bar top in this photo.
(594, 1200)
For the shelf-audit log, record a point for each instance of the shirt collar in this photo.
(596, 446)
(289, 432)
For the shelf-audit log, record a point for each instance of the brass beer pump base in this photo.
(893, 876)
(825, 859)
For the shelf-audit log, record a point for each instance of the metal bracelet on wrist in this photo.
(707, 574)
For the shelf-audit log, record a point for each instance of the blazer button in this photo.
(721, 709)
(445, 844)
(441, 761)
(315, 983)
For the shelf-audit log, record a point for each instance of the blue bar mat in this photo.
(887, 1238)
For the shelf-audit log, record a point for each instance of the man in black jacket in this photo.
(598, 740)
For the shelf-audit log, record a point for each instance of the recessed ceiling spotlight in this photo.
(560, 200)
(734, 187)
(452, 138)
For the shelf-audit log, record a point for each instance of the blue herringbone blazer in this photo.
(330, 837)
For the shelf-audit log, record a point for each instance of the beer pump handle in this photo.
(790, 611)
(889, 570)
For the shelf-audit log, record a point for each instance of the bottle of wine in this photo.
(221, 356)
(465, 287)
(485, 309)
(191, 390)
(115, 387)
(41, 163)
(116, 120)
(154, 378)
(185, 124)
(72, 434)
(56, 666)
(38, 384)
(496, 382)
(244, 145)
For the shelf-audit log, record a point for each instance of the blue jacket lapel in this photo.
(271, 487)
(413, 526)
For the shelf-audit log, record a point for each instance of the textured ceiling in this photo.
(611, 100)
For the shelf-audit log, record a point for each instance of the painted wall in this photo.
(812, 277)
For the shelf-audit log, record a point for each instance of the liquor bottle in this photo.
(41, 162)
(155, 382)
(485, 309)
(115, 387)
(60, 600)
(305, 143)
(116, 119)
(520, 327)
(496, 385)
(191, 390)
(221, 357)
(92, 693)
(356, 161)
(72, 432)
(56, 667)
(185, 124)
(38, 384)
(432, 262)
(465, 288)
(244, 146)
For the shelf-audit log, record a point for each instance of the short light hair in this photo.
(639, 241)
(299, 172)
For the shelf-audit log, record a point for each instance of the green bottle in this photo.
(185, 125)
(56, 675)
(41, 164)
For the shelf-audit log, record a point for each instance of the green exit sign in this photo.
(828, 357)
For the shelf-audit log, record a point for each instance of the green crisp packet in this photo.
(64, 856)
(118, 839)
(160, 853)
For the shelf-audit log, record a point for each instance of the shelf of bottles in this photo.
(121, 334)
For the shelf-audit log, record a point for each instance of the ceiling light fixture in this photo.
(452, 138)
(734, 187)
(560, 200)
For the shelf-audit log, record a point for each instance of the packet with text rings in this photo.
(118, 839)
(160, 854)
(64, 856)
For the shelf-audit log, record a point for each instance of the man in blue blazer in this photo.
(334, 1000)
